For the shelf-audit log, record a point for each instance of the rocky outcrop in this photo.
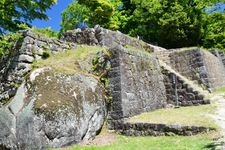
(52, 110)
(19, 62)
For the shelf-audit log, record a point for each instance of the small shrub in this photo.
(46, 54)
(101, 67)
(7, 42)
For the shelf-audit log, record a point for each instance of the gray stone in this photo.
(103, 37)
(26, 58)
(25, 66)
(75, 111)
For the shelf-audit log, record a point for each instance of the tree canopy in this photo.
(169, 23)
(107, 13)
(13, 13)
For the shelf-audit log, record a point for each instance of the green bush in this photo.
(7, 42)
(46, 54)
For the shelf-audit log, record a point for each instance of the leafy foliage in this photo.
(168, 23)
(73, 15)
(16, 12)
(7, 42)
(46, 54)
(47, 32)
(103, 12)
(215, 31)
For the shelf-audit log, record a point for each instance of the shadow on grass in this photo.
(215, 146)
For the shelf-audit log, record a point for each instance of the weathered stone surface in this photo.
(150, 129)
(25, 58)
(136, 83)
(104, 37)
(179, 93)
(199, 65)
(52, 110)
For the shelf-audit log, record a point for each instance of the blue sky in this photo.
(54, 16)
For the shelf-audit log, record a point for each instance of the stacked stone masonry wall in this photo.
(190, 64)
(219, 54)
(185, 96)
(19, 63)
(200, 66)
(150, 129)
(136, 83)
(215, 70)
(104, 37)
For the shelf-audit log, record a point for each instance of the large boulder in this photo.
(52, 110)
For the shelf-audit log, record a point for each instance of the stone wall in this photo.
(220, 54)
(190, 64)
(104, 37)
(200, 66)
(19, 62)
(136, 83)
(215, 70)
(151, 129)
(180, 93)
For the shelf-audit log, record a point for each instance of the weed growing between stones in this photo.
(101, 67)
(9, 42)
(46, 54)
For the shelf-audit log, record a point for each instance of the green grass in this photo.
(219, 90)
(199, 142)
(184, 116)
(71, 61)
(195, 115)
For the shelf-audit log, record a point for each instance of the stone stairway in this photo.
(192, 93)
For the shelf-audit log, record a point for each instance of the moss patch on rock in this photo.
(56, 92)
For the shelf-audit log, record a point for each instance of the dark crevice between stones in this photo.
(3, 148)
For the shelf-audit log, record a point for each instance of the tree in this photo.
(170, 23)
(16, 12)
(106, 13)
(73, 15)
(214, 33)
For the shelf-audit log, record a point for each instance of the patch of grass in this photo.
(219, 90)
(195, 115)
(70, 61)
(198, 142)
(45, 32)
(135, 50)
(187, 48)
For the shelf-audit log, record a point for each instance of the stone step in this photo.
(191, 86)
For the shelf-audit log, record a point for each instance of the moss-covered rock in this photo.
(57, 110)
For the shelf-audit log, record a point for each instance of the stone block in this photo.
(25, 58)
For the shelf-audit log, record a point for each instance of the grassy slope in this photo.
(155, 143)
(72, 61)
